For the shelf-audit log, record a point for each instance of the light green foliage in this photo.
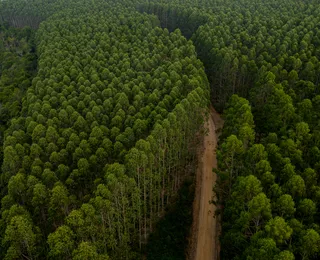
(263, 248)
(20, 236)
(278, 230)
(85, 251)
(285, 206)
(296, 186)
(259, 209)
(61, 242)
(285, 255)
(309, 243)
(247, 188)
(307, 209)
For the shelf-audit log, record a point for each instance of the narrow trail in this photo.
(205, 228)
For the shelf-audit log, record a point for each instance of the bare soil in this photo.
(204, 244)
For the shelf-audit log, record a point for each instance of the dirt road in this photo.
(205, 245)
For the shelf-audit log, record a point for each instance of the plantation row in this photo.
(107, 133)
(17, 66)
(114, 110)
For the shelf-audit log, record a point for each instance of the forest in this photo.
(103, 107)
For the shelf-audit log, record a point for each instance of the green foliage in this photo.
(97, 142)
(17, 66)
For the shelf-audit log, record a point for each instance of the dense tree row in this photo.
(17, 66)
(108, 131)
